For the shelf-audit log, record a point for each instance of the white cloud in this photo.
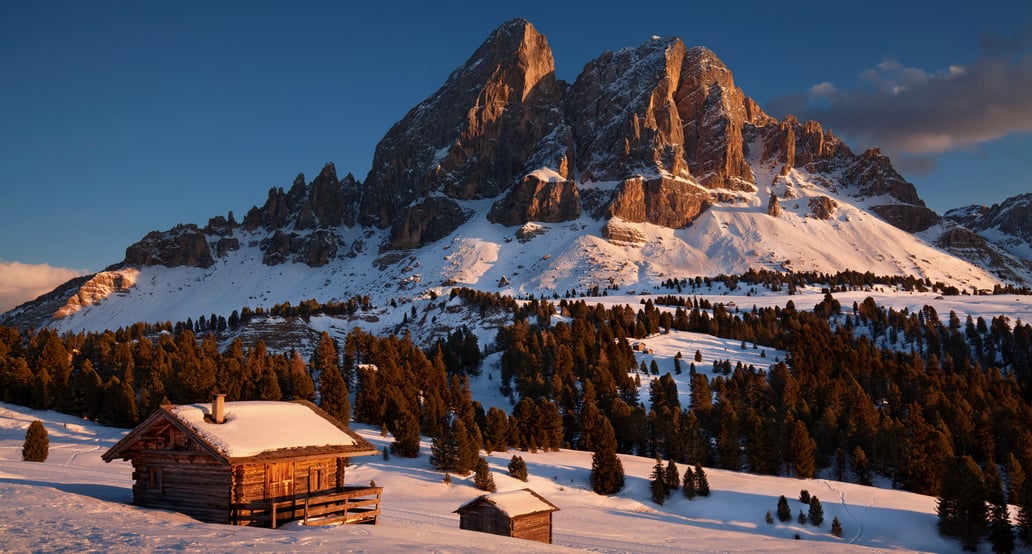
(23, 282)
(910, 110)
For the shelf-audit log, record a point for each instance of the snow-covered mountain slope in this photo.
(538, 259)
(76, 503)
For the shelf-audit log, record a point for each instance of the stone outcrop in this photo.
(1011, 218)
(549, 198)
(773, 205)
(822, 207)
(97, 288)
(909, 217)
(660, 201)
(182, 245)
(618, 232)
(430, 220)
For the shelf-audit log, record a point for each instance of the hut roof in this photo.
(513, 503)
(254, 431)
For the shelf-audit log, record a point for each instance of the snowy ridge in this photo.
(730, 237)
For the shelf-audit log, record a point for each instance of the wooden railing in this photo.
(344, 505)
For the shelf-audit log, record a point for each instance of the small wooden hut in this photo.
(522, 514)
(248, 463)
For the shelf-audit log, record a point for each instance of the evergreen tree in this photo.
(689, 483)
(496, 432)
(784, 511)
(657, 486)
(518, 468)
(483, 479)
(1025, 513)
(1001, 534)
(962, 502)
(816, 512)
(37, 443)
(333, 395)
(769, 518)
(1015, 479)
(804, 496)
(672, 477)
(607, 473)
(406, 434)
(836, 527)
(803, 450)
(861, 467)
(444, 449)
(802, 517)
(701, 481)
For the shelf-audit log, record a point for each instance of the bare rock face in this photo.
(619, 232)
(873, 175)
(473, 138)
(430, 220)
(802, 145)
(624, 117)
(773, 206)
(1010, 219)
(822, 207)
(548, 198)
(910, 218)
(715, 111)
(97, 288)
(662, 110)
(660, 201)
(181, 245)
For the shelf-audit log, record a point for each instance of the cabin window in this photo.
(279, 480)
(154, 479)
(317, 479)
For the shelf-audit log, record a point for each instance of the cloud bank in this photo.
(23, 282)
(913, 111)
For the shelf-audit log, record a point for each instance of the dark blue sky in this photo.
(117, 118)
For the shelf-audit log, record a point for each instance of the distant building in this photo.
(522, 514)
(248, 463)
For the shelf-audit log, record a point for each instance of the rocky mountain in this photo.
(651, 164)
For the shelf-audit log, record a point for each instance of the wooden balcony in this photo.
(343, 505)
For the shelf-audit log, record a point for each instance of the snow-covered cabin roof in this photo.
(254, 429)
(515, 503)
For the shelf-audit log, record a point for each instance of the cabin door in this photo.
(279, 480)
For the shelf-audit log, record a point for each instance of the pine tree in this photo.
(804, 496)
(657, 486)
(333, 395)
(784, 511)
(483, 479)
(518, 468)
(1025, 513)
(836, 527)
(444, 449)
(689, 483)
(802, 517)
(962, 502)
(37, 443)
(861, 467)
(672, 477)
(1015, 479)
(803, 449)
(406, 435)
(1001, 534)
(769, 518)
(701, 481)
(607, 474)
(816, 513)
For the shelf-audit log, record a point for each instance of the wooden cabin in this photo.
(522, 514)
(248, 463)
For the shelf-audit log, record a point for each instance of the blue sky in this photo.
(118, 118)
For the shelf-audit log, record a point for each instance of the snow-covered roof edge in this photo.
(520, 502)
(360, 446)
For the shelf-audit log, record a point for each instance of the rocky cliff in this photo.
(656, 133)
